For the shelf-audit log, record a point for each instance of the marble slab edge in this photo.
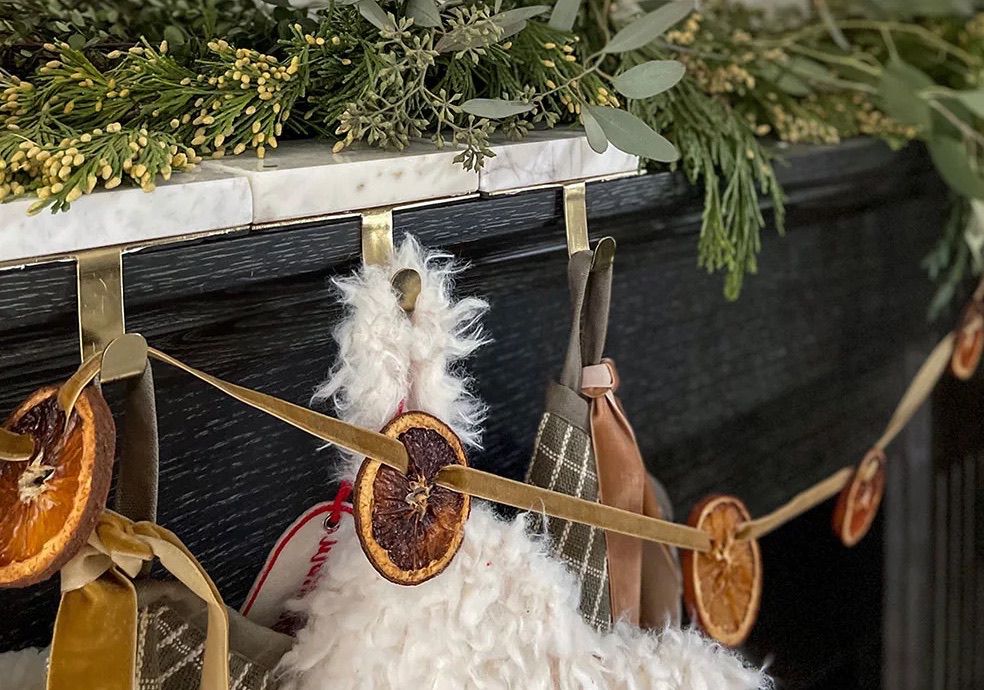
(552, 157)
(192, 203)
(298, 182)
(304, 180)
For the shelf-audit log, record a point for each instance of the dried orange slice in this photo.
(723, 587)
(50, 503)
(409, 527)
(969, 343)
(858, 502)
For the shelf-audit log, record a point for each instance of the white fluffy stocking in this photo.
(504, 615)
(23, 670)
(388, 363)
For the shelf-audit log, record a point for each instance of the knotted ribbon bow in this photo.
(94, 645)
(621, 483)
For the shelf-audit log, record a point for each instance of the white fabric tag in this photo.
(296, 562)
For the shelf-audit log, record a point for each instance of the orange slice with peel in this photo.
(723, 587)
(969, 343)
(50, 503)
(410, 528)
(858, 502)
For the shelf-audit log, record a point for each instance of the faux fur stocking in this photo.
(504, 615)
(23, 670)
(388, 363)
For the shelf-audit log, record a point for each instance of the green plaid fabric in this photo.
(563, 460)
(169, 655)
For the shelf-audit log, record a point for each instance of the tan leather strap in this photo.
(918, 391)
(800, 503)
(621, 483)
(915, 395)
(95, 636)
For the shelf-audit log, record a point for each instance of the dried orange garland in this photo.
(411, 508)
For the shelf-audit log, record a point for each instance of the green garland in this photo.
(141, 90)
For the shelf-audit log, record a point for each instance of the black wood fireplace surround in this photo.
(759, 398)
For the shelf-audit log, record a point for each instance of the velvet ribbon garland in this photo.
(95, 638)
(621, 483)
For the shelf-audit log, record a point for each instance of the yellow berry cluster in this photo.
(15, 102)
(687, 33)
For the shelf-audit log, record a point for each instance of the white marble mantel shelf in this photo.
(299, 181)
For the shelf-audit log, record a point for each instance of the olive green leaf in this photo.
(495, 108)
(375, 14)
(511, 22)
(648, 27)
(564, 14)
(520, 14)
(974, 100)
(649, 78)
(596, 137)
(174, 36)
(899, 91)
(810, 69)
(783, 78)
(953, 162)
(628, 133)
(424, 13)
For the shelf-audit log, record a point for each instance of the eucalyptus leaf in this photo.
(974, 100)
(810, 69)
(511, 22)
(953, 162)
(596, 136)
(375, 14)
(784, 79)
(649, 78)
(424, 13)
(628, 133)
(495, 108)
(564, 15)
(519, 14)
(899, 92)
(174, 35)
(648, 27)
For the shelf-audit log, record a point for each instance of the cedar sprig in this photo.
(104, 157)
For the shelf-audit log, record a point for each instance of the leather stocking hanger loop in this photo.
(621, 483)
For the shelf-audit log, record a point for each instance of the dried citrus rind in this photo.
(858, 502)
(723, 587)
(50, 503)
(969, 343)
(410, 528)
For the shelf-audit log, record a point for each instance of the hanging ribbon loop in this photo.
(621, 483)
(95, 638)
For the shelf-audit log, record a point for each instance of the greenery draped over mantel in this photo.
(101, 94)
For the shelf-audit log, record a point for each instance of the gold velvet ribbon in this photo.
(621, 483)
(94, 645)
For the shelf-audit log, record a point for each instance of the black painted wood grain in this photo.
(758, 398)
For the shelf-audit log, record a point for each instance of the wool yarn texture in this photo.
(504, 614)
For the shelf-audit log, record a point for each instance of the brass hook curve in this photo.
(378, 250)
